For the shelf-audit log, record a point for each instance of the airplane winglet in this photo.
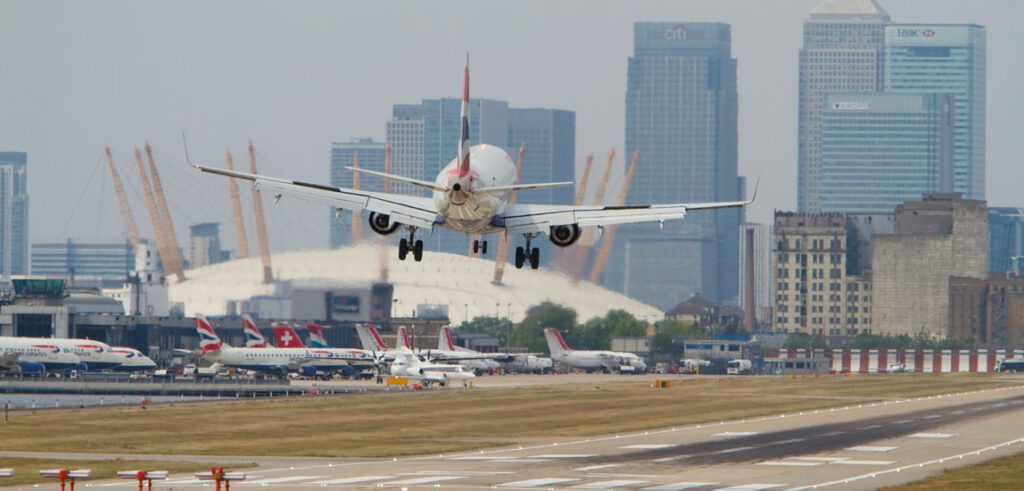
(756, 184)
(187, 159)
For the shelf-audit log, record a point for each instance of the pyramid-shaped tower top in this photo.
(850, 10)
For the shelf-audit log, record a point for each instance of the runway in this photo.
(860, 446)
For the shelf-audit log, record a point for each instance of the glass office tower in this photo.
(681, 105)
(13, 213)
(946, 58)
(371, 157)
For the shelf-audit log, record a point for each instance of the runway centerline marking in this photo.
(422, 480)
(652, 446)
(352, 480)
(607, 484)
(932, 435)
(541, 481)
(869, 448)
(679, 486)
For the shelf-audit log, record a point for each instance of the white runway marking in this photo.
(679, 486)
(651, 446)
(752, 487)
(422, 480)
(864, 462)
(563, 456)
(284, 479)
(932, 435)
(790, 463)
(868, 448)
(834, 433)
(934, 416)
(902, 422)
(352, 480)
(532, 483)
(596, 467)
(673, 458)
(819, 459)
(870, 427)
(608, 484)
(731, 450)
(738, 433)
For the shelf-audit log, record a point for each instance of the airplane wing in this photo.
(417, 211)
(523, 218)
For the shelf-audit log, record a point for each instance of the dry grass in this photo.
(1004, 473)
(446, 421)
(26, 471)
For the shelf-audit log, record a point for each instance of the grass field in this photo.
(1004, 473)
(381, 425)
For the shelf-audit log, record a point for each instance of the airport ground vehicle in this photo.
(739, 367)
(1010, 366)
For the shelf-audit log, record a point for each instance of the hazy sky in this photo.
(295, 76)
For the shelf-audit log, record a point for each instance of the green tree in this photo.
(598, 332)
(491, 326)
(530, 332)
(803, 340)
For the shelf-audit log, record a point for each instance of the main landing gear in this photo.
(479, 246)
(531, 254)
(405, 246)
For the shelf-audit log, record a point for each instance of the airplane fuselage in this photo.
(468, 208)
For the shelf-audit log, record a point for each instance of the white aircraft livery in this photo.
(272, 360)
(609, 361)
(34, 355)
(134, 360)
(471, 196)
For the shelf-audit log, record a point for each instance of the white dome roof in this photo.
(462, 283)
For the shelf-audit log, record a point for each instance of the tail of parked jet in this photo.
(208, 339)
(253, 338)
(316, 336)
(555, 342)
(402, 339)
(370, 338)
(444, 339)
(286, 336)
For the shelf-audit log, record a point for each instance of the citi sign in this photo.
(914, 33)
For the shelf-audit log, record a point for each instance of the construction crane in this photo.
(126, 212)
(565, 255)
(609, 237)
(587, 239)
(261, 224)
(382, 243)
(154, 216)
(236, 206)
(357, 222)
(502, 253)
(165, 215)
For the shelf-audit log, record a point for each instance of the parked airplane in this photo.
(471, 196)
(286, 337)
(407, 364)
(34, 355)
(474, 360)
(609, 361)
(135, 361)
(518, 362)
(253, 337)
(95, 355)
(270, 360)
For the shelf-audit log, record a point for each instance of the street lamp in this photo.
(394, 312)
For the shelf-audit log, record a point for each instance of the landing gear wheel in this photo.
(417, 251)
(403, 249)
(520, 257)
(535, 258)
(483, 247)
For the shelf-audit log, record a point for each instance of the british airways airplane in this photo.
(471, 195)
(34, 355)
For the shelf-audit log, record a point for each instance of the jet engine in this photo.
(382, 223)
(564, 235)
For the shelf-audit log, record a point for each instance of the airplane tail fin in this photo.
(208, 338)
(464, 136)
(253, 338)
(555, 342)
(286, 336)
(316, 336)
(402, 339)
(370, 338)
(444, 339)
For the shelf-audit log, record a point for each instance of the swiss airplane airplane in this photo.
(471, 196)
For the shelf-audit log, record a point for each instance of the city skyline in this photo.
(117, 73)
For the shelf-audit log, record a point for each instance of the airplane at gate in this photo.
(609, 361)
(287, 338)
(407, 364)
(253, 337)
(134, 360)
(270, 360)
(34, 355)
(471, 195)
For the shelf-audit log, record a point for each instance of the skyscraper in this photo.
(371, 156)
(550, 156)
(681, 104)
(13, 213)
(843, 51)
(879, 150)
(942, 58)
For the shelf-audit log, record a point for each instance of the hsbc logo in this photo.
(915, 33)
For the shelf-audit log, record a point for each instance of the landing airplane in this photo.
(34, 355)
(278, 361)
(609, 361)
(471, 196)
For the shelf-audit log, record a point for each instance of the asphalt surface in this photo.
(859, 446)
